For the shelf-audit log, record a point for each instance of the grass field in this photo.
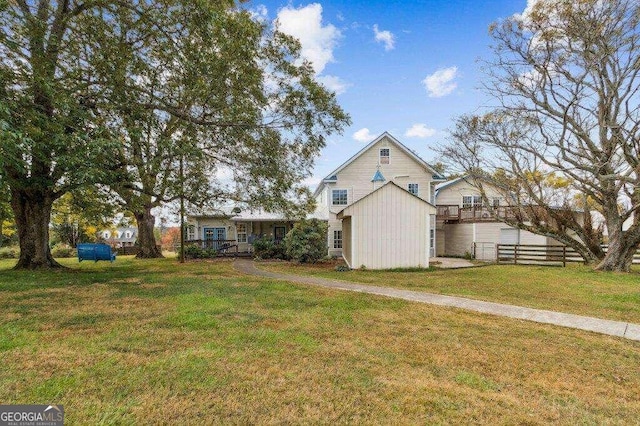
(156, 342)
(575, 289)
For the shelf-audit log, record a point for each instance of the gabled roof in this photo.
(332, 177)
(341, 212)
(469, 178)
(451, 182)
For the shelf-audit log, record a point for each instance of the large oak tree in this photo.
(565, 138)
(86, 85)
(230, 94)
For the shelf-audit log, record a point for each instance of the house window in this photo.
(495, 202)
(106, 235)
(241, 229)
(413, 188)
(469, 201)
(384, 155)
(191, 232)
(339, 197)
(337, 239)
(128, 234)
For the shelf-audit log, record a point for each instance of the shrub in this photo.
(195, 252)
(266, 248)
(63, 250)
(342, 268)
(307, 241)
(9, 253)
(262, 246)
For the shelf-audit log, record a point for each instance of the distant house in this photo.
(120, 237)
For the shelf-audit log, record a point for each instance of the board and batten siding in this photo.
(389, 228)
(346, 240)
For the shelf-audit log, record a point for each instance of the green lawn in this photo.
(575, 289)
(157, 342)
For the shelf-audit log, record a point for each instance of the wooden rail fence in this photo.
(530, 254)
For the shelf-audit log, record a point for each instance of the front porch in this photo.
(236, 237)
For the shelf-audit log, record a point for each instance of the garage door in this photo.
(509, 236)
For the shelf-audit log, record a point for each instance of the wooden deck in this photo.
(457, 214)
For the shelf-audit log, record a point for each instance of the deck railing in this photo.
(454, 213)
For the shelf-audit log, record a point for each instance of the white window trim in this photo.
(380, 156)
(347, 197)
(239, 234)
(335, 239)
(474, 198)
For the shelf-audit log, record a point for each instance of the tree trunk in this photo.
(146, 239)
(32, 211)
(619, 256)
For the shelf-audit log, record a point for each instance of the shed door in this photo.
(509, 236)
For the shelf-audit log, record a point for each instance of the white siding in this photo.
(346, 240)
(452, 194)
(458, 239)
(527, 237)
(440, 241)
(402, 170)
(356, 179)
(389, 229)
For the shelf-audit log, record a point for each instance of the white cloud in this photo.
(305, 24)
(441, 83)
(385, 37)
(312, 181)
(333, 83)
(260, 12)
(364, 135)
(419, 130)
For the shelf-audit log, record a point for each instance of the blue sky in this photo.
(404, 67)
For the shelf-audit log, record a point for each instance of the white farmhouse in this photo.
(394, 228)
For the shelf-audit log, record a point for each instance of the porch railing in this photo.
(218, 245)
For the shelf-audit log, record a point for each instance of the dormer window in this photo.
(384, 155)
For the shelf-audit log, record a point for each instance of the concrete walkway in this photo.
(612, 328)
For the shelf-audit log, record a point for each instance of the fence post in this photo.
(564, 256)
(497, 253)
(515, 254)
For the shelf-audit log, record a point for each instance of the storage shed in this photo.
(389, 228)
